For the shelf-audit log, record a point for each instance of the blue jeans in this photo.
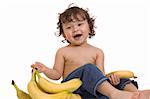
(91, 77)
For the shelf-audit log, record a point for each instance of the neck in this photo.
(80, 45)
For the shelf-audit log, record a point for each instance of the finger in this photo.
(38, 66)
(109, 78)
(32, 66)
(117, 79)
(112, 79)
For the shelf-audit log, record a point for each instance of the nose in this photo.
(75, 28)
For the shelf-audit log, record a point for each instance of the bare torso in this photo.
(76, 57)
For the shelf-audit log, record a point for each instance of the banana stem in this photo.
(33, 78)
(135, 77)
(13, 83)
(38, 74)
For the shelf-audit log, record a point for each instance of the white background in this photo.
(27, 34)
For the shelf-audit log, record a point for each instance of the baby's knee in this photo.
(89, 66)
(92, 68)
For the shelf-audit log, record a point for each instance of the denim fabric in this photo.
(91, 77)
(124, 82)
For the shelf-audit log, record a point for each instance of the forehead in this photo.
(75, 20)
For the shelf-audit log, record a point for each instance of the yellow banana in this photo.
(75, 96)
(36, 93)
(20, 94)
(51, 87)
(122, 74)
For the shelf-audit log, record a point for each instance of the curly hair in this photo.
(73, 12)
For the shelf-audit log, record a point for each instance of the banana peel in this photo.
(122, 74)
(36, 93)
(51, 87)
(20, 93)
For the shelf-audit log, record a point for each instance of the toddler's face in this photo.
(76, 31)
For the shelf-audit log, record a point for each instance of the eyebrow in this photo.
(78, 20)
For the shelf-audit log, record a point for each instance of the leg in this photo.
(130, 87)
(91, 76)
(94, 81)
(127, 85)
(107, 89)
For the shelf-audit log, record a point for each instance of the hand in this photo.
(39, 66)
(114, 79)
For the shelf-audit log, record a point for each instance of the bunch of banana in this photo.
(20, 94)
(75, 96)
(122, 74)
(51, 87)
(36, 93)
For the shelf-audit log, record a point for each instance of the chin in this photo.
(76, 44)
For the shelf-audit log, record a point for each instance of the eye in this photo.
(79, 24)
(69, 27)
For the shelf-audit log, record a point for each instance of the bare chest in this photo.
(78, 58)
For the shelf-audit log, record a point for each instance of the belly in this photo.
(69, 69)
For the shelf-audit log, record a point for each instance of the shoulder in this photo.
(97, 50)
(62, 50)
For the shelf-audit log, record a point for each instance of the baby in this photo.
(81, 60)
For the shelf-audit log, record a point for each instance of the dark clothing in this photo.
(91, 77)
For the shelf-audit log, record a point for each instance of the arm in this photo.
(56, 72)
(114, 79)
(100, 60)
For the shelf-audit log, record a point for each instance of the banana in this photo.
(36, 93)
(51, 87)
(75, 96)
(20, 94)
(122, 74)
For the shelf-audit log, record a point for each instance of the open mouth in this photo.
(77, 36)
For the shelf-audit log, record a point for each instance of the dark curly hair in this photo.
(73, 12)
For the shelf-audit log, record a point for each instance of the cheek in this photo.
(68, 36)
